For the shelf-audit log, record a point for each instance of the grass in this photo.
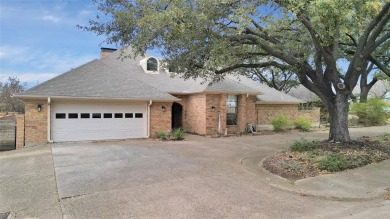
(333, 163)
(178, 134)
(161, 135)
(304, 145)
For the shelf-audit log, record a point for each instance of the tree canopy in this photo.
(8, 103)
(328, 44)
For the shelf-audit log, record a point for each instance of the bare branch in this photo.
(257, 65)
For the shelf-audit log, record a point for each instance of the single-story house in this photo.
(111, 98)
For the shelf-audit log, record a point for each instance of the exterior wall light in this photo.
(39, 107)
(163, 108)
(213, 108)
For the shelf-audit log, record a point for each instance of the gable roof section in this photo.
(97, 80)
(269, 95)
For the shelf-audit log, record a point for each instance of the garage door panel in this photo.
(77, 129)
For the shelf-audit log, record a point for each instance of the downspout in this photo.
(148, 126)
(49, 120)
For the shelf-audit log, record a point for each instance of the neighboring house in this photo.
(110, 98)
(381, 89)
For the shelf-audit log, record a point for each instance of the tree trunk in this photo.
(338, 115)
(363, 95)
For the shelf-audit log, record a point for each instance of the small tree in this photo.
(8, 103)
(372, 112)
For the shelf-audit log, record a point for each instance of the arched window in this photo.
(151, 64)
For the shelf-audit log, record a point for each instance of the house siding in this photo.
(160, 121)
(265, 112)
(35, 123)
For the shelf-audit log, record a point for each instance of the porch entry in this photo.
(177, 115)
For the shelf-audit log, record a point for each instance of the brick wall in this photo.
(312, 115)
(212, 115)
(160, 121)
(35, 122)
(195, 114)
(246, 113)
(19, 131)
(266, 112)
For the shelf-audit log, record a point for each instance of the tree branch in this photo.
(257, 65)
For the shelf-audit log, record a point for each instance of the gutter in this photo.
(148, 126)
(92, 98)
(49, 120)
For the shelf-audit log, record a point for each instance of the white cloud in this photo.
(51, 18)
(32, 65)
(85, 12)
(28, 77)
(11, 52)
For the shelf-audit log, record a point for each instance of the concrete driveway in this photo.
(196, 178)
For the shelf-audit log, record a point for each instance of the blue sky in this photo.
(39, 38)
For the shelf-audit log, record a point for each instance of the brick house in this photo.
(110, 98)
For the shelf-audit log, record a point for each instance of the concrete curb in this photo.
(284, 184)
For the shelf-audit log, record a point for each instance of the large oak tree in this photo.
(328, 44)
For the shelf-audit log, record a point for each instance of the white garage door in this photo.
(98, 121)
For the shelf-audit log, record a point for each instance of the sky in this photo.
(39, 38)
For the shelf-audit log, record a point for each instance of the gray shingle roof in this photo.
(112, 77)
(97, 80)
(269, 95)
(165, 82)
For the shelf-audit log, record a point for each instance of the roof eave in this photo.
(278, 102)
(38, 97)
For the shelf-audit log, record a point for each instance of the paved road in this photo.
(196, 178)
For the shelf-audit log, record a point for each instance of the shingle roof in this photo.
(269, 95)
(97, 80)
(112, 77)
(165, 82)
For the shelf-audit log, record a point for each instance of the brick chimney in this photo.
(106, 51)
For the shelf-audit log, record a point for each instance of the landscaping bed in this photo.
(312, 158)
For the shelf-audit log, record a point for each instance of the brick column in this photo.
(35, 122)
(160, 121)
(19, 131)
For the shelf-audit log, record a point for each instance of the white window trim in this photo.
(144, 65)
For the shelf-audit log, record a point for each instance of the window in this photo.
(139, 115)
(84, 115)
(128, 115)
(118, 115)
(231, 114)
(151, 64)
(107, 115)
(73, 115)
(96, 115)
(60, 116)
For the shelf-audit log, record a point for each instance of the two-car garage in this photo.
(78, 121)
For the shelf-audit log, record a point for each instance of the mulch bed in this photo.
(300, 165)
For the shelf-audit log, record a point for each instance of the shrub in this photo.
(372, 112)
(333, 163)
(302, 124)
(280, 123)
(294, 167)
(178, 134)
(161, 135)
(304, 145)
